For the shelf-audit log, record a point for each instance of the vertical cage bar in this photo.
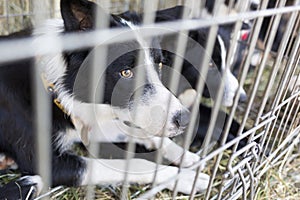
(42, 112)
(174, 81)
(148, 18)
(199, 88)
(7, 15)
(97, 75)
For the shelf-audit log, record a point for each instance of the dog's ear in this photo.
(78, 14)
(170, 14)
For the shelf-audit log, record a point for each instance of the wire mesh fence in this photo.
(238, 141)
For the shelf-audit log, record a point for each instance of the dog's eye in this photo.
(126, 73)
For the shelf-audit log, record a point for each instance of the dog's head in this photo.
(138, 99)
(195, 53)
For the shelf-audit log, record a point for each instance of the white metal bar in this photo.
(148, 18)
(101, 37)
(272, 20)
(42, 111)
(295, 32)
(174, 82)
(200, 87)
(280, 90)
(97, 75)
(294, 118)
(7, 15)
(291, 87)
(290, 112)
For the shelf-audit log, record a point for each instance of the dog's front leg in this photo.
(102, 171)
(171, 151)
(118, 132)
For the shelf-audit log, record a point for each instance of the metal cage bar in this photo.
(42, 112)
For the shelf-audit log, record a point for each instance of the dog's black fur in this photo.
(17, 138)
(205, 115)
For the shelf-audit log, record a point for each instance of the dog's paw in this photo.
(186, 180)
(188, 160)
(173, 153)
(188, 97)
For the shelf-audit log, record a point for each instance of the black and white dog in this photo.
(67, 76)
(64, 74)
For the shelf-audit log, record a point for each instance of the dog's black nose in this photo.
(182, 118)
